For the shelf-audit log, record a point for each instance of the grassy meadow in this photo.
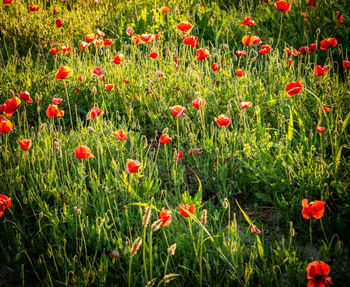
(174, 147)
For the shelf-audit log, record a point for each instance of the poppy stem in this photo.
(130, 266)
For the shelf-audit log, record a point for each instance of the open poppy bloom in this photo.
(239, 72)
(100, 33)
(328, 43)
(223, 120)
(165, 139)
(317, 272)
(110, 87)
(94, 113)
(153, 55)
(129, 31)
(119, 134)
(98, 71)
(304, 50)
(294, 88)
(314, 209)
(52, 111)
(99, 43)
(248, 40)
(59, 23)
(320, 129)
(118, 59)
(33, 8)
(57, 101)
(346, 64)
(84, 45)
(215, 67)
(90, 38)
(159, 74)
(245, 105)
(165, 215)
(54, 51)
(198, 103)
(312, 47)
(324, 107)
(303, 14)
(255, 230)
(289, 62)
(164, 9)
(5, 125)
(282, 6)
(320, 71)
(132, 165)
(201, 54)
(25, 96)
(198, 151)
(148, 38)
(185, 27)
(178, 155)
(108, 42)
(185, 209)
(6, 2)
(82, 151)
(65, 50)
(63, 72)
(248, 21)
(291, 52)
(241, 53)
(265, 49)
(11, 106)
(340, 19)
(25, 144)
(5, 202)
(190, 40)
(177, 110)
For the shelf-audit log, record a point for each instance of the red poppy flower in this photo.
(59, 23)
(98, 71)
(223, 120)
(57, 101)
(90, 38)
(314, 209)
(33, 8)
(82, 151)
(312, 47)
(94, 113)
(177, 110)
(291, 52)
(159, 74)
(316, 272)
(265, 49)
(328, 43)
(126, 81)
(118, 59)
(63, 72)
(248, 21)
(320, 129)
(165, 215)
(11, 106)
(65, 50)
(110, 87)
(54, 10)
(77, 91)
(164, 9)
(185, 209)
(294, 88)
(245, 105)
(324, 107)
(129, 31)
(239, 72)
(201, 54)
(147, 38)
(282, 6)
(289, 62)
(255, 230)
(53, 111)
(312, 3)
(5, 125)
(304, 50)
(165, 139)
(198, 151)
(108, 42)
(198, 103)
(190, 40)
(54, 51)
(185, 27)
(303, 15)
(84, 45)
(119, 134)
(100, 33)
(153, 55)
(25, 96)
(215, 67)
(5, 202)
(6, 2)
(346, 64)
(248, 40)
(25, 144)
(99, 43)
(132, 165)
(178, 155)
(340, 19)
(320, 71)
(241, 53)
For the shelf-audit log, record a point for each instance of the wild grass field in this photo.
(174, 143)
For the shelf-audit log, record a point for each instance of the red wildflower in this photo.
(346, 64)
(215, 67)
(118, 59)
(129, 31)
(177, 110)
(6, 2)
(312, 3)
(291, 52)
(265, 49)
(320, 129)
(165, 215)
(57, 101)
(255, 230)
(100, 33)
(190, 40)
(25, 96)
(241, 53)
(164, 9)
(312, 47)
(178, 155)
(63, 72)
(5, 202)
(248, 21)
(316, 272)
(185, 27)
(94, 113)
(25, 144)
(198, 151)
(294, 88)
(289, 62)
(82, 151)
(314, 209)
(59, 23)
(201, 54)
(282, 6)
(54, 51)
(223, 120)
(303, 15)
(185, 209)
(11, 106)
(84, 45)
(198, 103)
(98, 71)
(132, 165)
(239, 72)
(328, 43)
(340, 19)
(33, 8)
(65, 50)
(108, 42)
(90, 38)
(320, 71)
(53, 111)
(5, 125)
(110, 87)
(153, 55)
(324, 107)
(119, 134)
(248, 40)
(245, 105)
(165, 139)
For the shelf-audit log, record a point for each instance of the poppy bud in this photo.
(171, 249)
